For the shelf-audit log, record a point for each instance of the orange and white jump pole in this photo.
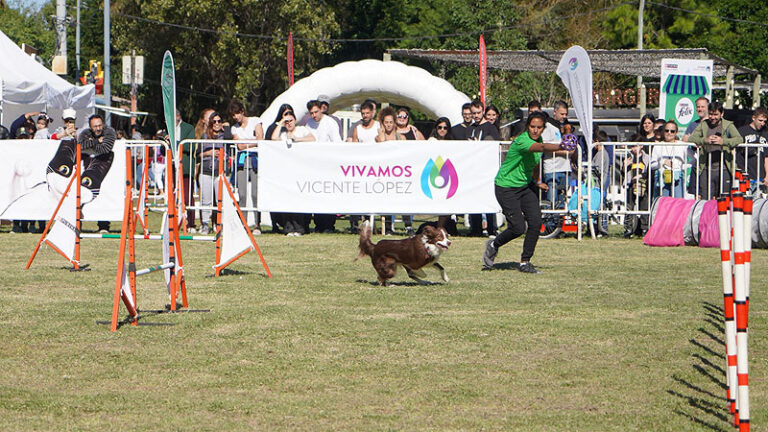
(724, 225)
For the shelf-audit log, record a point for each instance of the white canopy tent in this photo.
(28, 86)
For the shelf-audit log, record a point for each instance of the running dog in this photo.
(412, 253)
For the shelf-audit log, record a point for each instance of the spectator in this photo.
(756, 158)
(27, 121)
(185, 131)
(636, 171)
(408, 132)
(367, 128)
(42, 123)
(493, 116)
(556, 166)
(69, 130)
(278, 219)
(26, 131)
(202, 123)
(96, 143)
(461, 131)
(388, 129)
(4, 133)
(601, 167)
(209, 165)
(715, 137)
(157, 163)
(481, 129)
(295, 224)
(442, 130)
(321, 126)
(325, 106)
(667, 163)
(246, 128)
(702, 110)
(645, 130)
(404, 128)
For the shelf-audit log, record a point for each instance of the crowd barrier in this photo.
(616, 179)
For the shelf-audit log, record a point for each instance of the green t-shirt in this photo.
(517, 168)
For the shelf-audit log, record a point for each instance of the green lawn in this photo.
(612, 336)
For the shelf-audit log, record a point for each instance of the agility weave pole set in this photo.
(735, 226)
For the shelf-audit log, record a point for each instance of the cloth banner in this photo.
(575, 70)
(168, 84)
(425, 177)
(28, 191)
(234, 235)
(483, 68)
(63, 232)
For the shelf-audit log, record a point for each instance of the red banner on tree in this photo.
(483, 68)
(290, 58)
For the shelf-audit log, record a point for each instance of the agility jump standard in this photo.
(734, 224)
(125, 280)
(74, 256)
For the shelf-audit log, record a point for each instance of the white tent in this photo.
(28, 86)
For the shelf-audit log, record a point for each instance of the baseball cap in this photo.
(69, 113)
(324, 99)
(22, 132)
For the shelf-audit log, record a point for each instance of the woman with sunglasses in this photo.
(442, 130)
(404, 128)
(667, 163)
(208, 154)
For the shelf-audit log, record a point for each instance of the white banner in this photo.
(234, 235)
(63, 232)
(28, 193)
(426, 177)
(575, 70)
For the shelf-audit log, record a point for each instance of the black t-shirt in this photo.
(484, 131)
(460, 132)
(752, 136)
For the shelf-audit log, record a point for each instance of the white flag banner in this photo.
(63, 232)
(126, 290)
(234, 235)
(29, 190)
(426, 177)
(575, 70)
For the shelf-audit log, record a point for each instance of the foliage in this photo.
(26, 25)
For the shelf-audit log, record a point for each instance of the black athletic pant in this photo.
(520, 206)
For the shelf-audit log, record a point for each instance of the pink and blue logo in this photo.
(573, 63)
(439, 174)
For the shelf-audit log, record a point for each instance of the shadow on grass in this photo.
(400, 283)
(230, 272)
(705, 403)
(146, 313)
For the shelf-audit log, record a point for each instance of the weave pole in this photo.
(724, 226)
(177, 274)
(740, 299)
(220, 191)
(78, 205)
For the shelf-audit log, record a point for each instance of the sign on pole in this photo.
(137, 70)
(682, 82)
(168, 83)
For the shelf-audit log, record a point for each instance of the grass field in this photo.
(613, 336)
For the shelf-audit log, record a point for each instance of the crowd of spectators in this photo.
(656, 164)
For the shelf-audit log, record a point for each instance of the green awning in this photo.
(686, 85)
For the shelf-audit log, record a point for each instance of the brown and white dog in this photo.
(412, 253)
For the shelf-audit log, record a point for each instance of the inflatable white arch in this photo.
(350, 83)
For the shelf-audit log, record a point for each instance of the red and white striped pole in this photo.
(724, 226)
(747, 248)
(740, 299)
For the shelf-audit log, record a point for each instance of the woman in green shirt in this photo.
(518, 193)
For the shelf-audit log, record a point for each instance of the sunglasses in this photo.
(402, 116)
(670, 130)
(442, 128)
(216, 121)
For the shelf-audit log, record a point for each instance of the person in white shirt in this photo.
(667, 163)
(322, 127)
(367, 129)
(556, 166)
(246, 128)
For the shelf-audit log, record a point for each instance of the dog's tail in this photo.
(365, 246)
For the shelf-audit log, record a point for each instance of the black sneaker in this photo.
(489, 255)
(529, 268)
